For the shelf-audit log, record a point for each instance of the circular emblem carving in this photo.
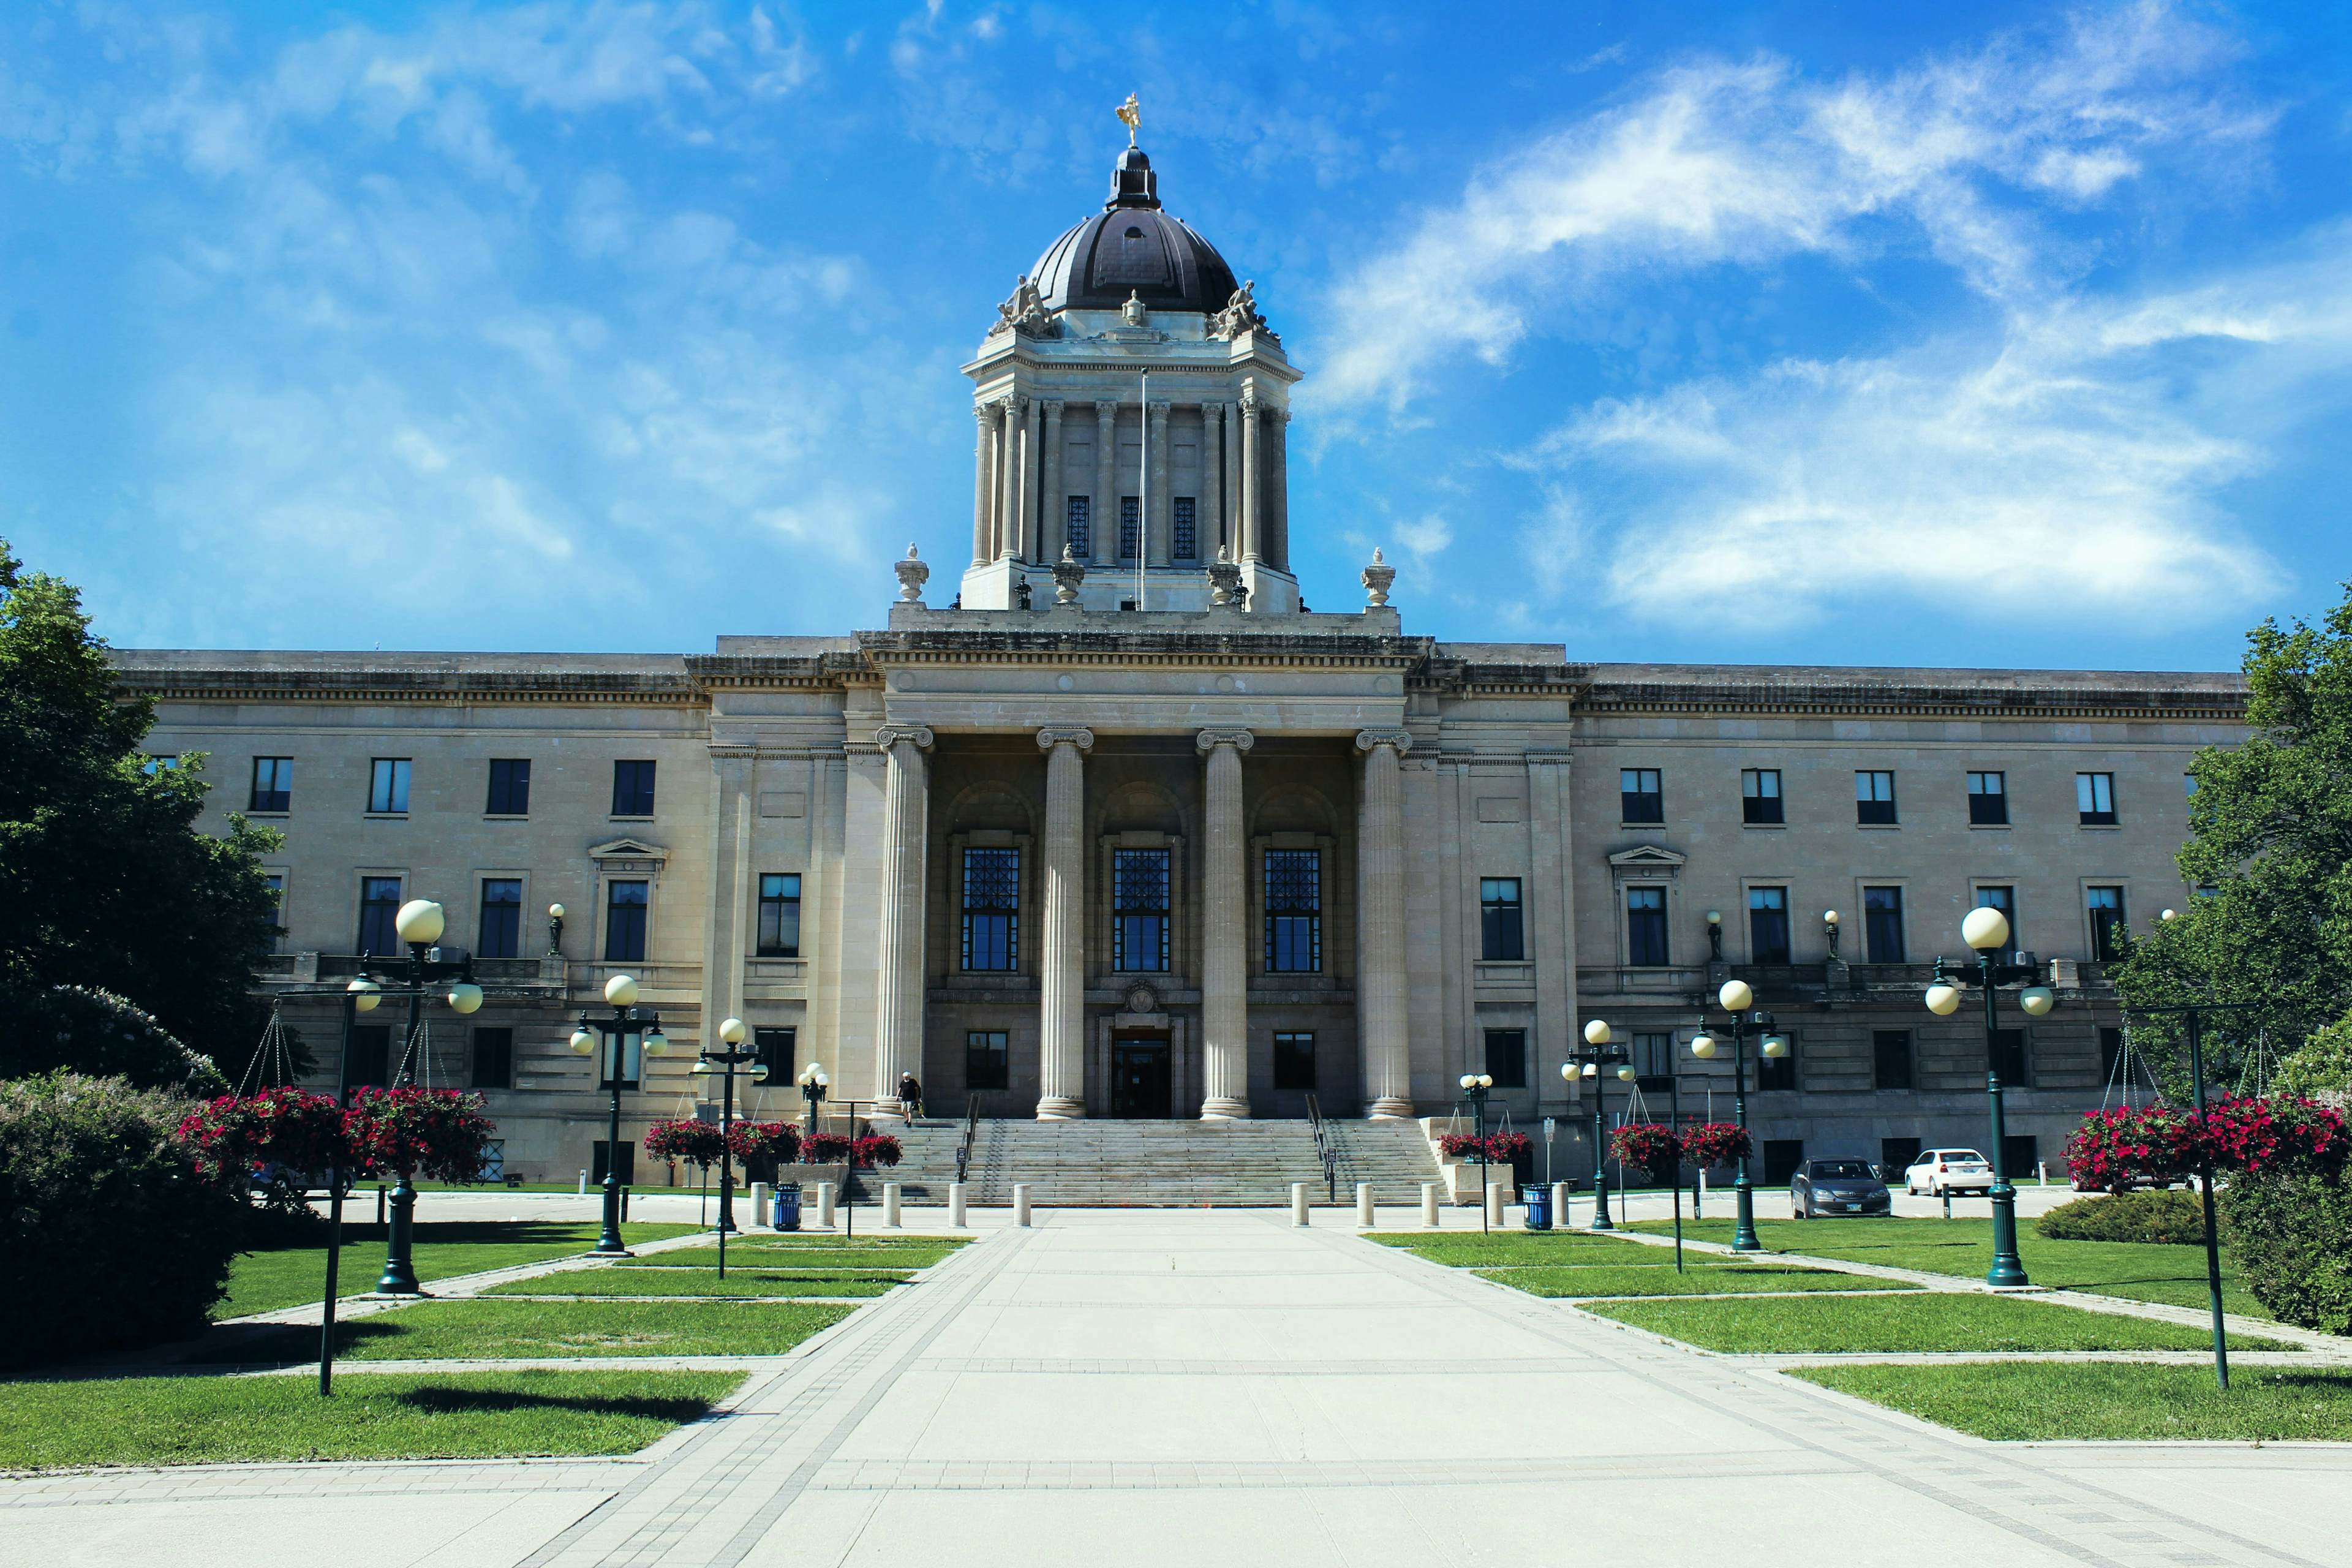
(1141, 998)
(1065, 683)
(1224, 683)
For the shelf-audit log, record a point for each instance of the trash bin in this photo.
(1538, 1202)
(788, 1206)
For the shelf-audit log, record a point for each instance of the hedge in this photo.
(75, 1028)
(2290, 1234)
(2171, 1217)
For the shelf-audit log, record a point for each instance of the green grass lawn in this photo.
(1696, 1281)
(1460, 1250)
(288, 1276)
(2024, 1402)
(2137, 1271)
(745, 1281)
(766, 1254)
(1924, 1321)
(374, 1415)
(479, 1329)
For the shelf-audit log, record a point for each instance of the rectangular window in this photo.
(1881, 916)
(1873, 798)
(273, 784)
(388, 786)
(1987, 800)
(1184, 529)
(598, 1158)
(779, 915)
(1640, 797)
(632, 789)
(2106, 910)
(987, 1060)
(2111, 1053)
(1653, 1060)
(624, 922)
(1507, 1057)
(371, 1063)
(1890, 1058)
(275, 882)
(1294, 1060)
(509, 787)
(2021, 1155)
(2005, 901)
(1781, 1158)
(1139, 910)
(500, 933)
(1645, 927)
(1894, 1157)
(2009, 1058)
(379, 906)
(992, 911)
(776, 1049)
(1760, 795)
(1777, 1072)
(1294, 911)
(1767, 925)
(1080, 527)
(632, 1059)
(1130, 528)
(1501, 927)
(2095, 798)
(493, 1058)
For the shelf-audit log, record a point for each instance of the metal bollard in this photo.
(956, 1205)
(890, 1203)
(1495, 1191)
(824, 1204)
(1298, 1203)
(1364, 1205)
(1021, 1203)
(1429, 1205)
(1559, 1205)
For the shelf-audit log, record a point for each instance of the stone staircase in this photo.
(1164, 1165)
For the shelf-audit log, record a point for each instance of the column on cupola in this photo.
(899, 953)
(1381, 999)
(1062, 955)
(1224, 969)
(1158, 529)
(983, 486)
(1213, 469)
(1008, 478)
(1106, 502)
(1054, 510)
(1024, 524)
(1276, 545)
(1252, 502)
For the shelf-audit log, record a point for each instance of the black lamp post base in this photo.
(399, 1277)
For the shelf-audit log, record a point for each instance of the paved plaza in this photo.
(1210, 1388)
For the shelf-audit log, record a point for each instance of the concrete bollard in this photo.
(955, 1205)
(1298, 1203)
(1364, 1205)
(762, 1208)
(1495, 1194)
(890, 1203)
(1429, 1205)
(1020, 1202)
(824, 1204)
(1559, 1205)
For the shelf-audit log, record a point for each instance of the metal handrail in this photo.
(970, 1131)
(1326, 1151)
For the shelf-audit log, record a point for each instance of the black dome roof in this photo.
(1132, 247)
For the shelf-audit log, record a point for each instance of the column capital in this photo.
(1160, 411)
(889, 735)
(1053, 406)
(1066, 735)
(984, 413)
(1106, 413)
(1400, 740)
(1210, 740)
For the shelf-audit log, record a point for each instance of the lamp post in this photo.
(1475, 1090)
(1987, 931)
(813, 1083)
(1598, 1032)
(1736, 997)
(419, 924)
(555, 931)
(628, 1018)
(725, 1062)
(1597, 1050)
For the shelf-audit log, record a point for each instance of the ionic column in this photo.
(984, 483)
(1008, 479)
(905, 828)
(1252, 503)
(1158, 534)
(1276, 545)
(1380, 988)
(1025, 530)
(1055, 511)
(1217, 479)
(1062, 961)
(1225, 905)
(1106, 502)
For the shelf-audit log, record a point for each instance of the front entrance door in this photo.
(1139, 1077)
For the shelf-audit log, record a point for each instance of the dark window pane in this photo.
(1500, 919)
(1186, 544)
(1130, 528)
(493, 1058)
(1881, 913)
(1781, 1158)
(1081, 527)
(992, 909)
(1894, 1157)
(1777, 1072)
(1873, 798)
(2010, 1060)
(1890, 1054)
(2020, 1153)
(509, 787)
(388, 785)
(1760, 795)
(597, 1162)
(378, 906)
(2005, 901)
(624, 922)
(1653, 1060)
(1294, 1060)
(2095, 797)
(1768, 924)
(2111, 1053)
(501, 925)
(2107, 909)
(1139, 902)
(1294, 911)
(632, 789)
(1640, 795)
(1988, 800)
(371, 1063)
(776, 1051)
(987, 1063)
(779, 915)
(1645, 927)
(1507, 1057)
(273, 784)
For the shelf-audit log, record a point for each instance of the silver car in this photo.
(1939, 1171)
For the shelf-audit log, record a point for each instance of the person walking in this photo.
(910, 1095)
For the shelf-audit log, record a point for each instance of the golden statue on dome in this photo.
(1130, 114)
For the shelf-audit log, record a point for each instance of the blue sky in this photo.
(1988, 334)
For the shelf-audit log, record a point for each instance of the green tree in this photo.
(2270, 836)
(105, 881)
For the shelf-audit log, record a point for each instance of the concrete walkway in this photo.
(1182, 1387)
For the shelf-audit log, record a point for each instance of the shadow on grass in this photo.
(442, 1401)
(359, 1228)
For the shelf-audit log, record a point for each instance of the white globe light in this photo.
(1776, 1045)
(1943, 1000)
(1625, 1075)
(364, 995)
(2036, 1000)
(1590, 1070)
(731, 1031)
(621, 990)
(701, 1066)
(759, 1072)
(1714, 917)
(555, 911)
(1985, 929)
(1736, 997)
(1703, 1046)
(1829, 917)
(1484, 1082)
(808, 1073)
(1596, 1033)
(464, 997)
(821, 1080)
(1568, 1070)
(2170, 915)
(419, 920)
(1468, 1081)
(656, 1044)
(583, 1041)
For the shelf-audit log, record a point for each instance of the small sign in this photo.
(1550, 1122)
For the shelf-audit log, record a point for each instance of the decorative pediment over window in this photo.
(1644, 861)
(623, 857)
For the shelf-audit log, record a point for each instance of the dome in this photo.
(1132, 247)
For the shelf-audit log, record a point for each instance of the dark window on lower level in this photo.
(987, 1061)
(371, 1063)
(2111, 1053)
(1294, 1059)
(597, 1162)
(2011, 1059)
(1894, 1157)
(2021, 1155)
(1183, 524)
(493, 1058)
(1507, 1057)
(1781, 1158)
(1890, 1055)
(1777, 1072)
(776, 1050)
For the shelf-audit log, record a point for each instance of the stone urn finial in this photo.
(1070, 572)
(912, 575)
(1224, 581)
(1377, 578)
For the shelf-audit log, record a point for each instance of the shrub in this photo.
(2290, 1234)
(2169, 1216)
(112, 1238)
(2321, 1064)
(76, 1028)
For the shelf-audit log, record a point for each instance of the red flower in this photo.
(1708, 1144)
(1645, 1145)
(696, 1142)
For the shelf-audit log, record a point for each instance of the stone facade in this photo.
(1208, 856)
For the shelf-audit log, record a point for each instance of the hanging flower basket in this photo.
(1502, 1148)
(1644, 1145)
(696, 1142)
(438, 1133)
(2280, 1132)
(1497, 1148)
(2116, 1150)
(1461, 1145)
(1708, 1144)
(875, 1149)
(826, 1147)
(763, 1142)
(231, 1136)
